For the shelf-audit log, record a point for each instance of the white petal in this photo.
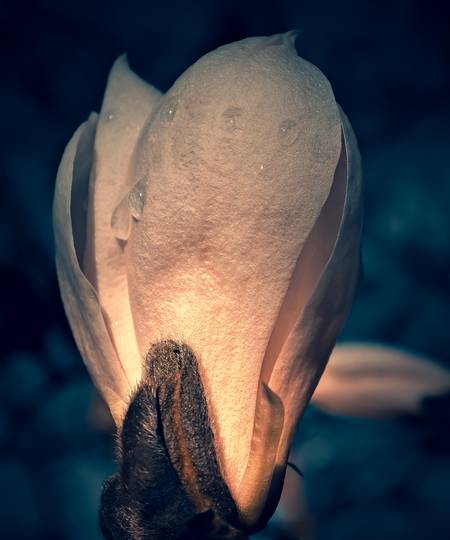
(295, 371)
(79, 297)
(240, 160)
(313, 312)
(371, 380)
(127, 105)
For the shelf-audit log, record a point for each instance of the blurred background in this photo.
(389, 65)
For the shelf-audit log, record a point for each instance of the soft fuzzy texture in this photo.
(169, 483)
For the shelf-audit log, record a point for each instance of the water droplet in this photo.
(170, 110)
(121, 220)
(109, 115)
(287, 132)
(230, 118)
(136, 198)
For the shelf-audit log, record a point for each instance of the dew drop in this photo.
(170, 110)
(230, 118)
(287, 132)
(121, 220)
(136, 199)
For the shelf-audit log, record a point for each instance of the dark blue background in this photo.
(389, 64)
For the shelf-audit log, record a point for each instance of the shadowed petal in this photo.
(312, 314)
(377, 381)
(79, 296)
(306, 350)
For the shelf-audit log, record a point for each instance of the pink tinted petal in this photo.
(239, 160)
(79, 296)
(377, 381)
(127, 104)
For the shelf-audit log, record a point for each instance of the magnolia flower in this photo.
(207, 249)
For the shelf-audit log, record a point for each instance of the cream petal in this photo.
(240, 160)
(302, 358)
(311, 316)
(372, 380)
(127, 105)
(258, 491)
(79, 296)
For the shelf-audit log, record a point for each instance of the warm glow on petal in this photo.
(79, 296)
(239, 160)
(225, 214)
(316, 304)
(127, 104)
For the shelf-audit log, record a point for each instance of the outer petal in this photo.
(239, 161)
(79, 296)
(370, 380)
(313, 312)
(127, 105)
(294, 372)
(93, 174)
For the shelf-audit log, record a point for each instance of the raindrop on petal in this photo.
(287, 132)
(136, 198)
(170, 110)
(230, 118)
